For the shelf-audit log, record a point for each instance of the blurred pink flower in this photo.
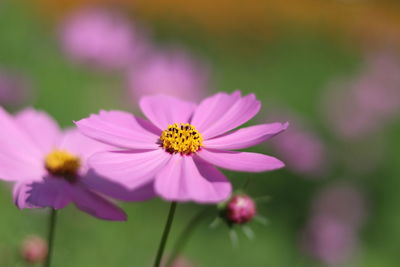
(176, 150)
(173, 73)
(364, 105)
(342, 201)
(329, 240)
(49, 166)
(240, 209)
(15, 89)
(337, 214)
(101, 38)
(34, 249)
(301, 149)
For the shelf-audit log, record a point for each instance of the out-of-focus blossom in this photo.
(15, 89)
(337, 214)
(101, 38)
(364, 105)
(342, 201)
(49, 167)
(329, 240)
(177, 150)
(239, 209)
(34, 249)
(173, 73)
(302, 150)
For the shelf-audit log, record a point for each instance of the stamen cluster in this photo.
(181, 138)
(62, 163)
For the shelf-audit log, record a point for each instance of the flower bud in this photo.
(240, 209)
(34, 249)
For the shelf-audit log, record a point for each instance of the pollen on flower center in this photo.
(181, 138)
(62, 163)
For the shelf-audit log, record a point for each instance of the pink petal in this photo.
(115, 190)
(246, 137)
(15, 142)
(96, 205)
(222, 113)
(81, 145)
(21, 194)
(132, 169)
(120, 129)
(40, 127)
(16, 170)
(240, 161)
(183, 179)
(52, 192)
(165, 110)
(213, 108)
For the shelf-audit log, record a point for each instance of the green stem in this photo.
(185, 235)
(165, 234)
(50, 236)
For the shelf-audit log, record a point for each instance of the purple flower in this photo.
(14, 89)
(364, 105)
(175, 152)
(329, 240)
(48, 166)
(172, 73)
(302, 150)
(101, 38)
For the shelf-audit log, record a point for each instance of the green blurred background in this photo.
(288, 62)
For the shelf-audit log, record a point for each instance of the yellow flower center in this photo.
(62, 163)
(181, 138)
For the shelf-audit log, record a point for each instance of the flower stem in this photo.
(50, 236)
(165, 234)
(185, 235)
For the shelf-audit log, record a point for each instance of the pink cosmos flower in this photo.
(173, 73)
(176, 150)
(101, 38)
(48, 166)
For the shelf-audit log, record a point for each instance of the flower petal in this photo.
(120, 129)
(52, 192)
(164, 110)
(96, 205)
(17, 170)
(132, 169)
(222, 113)
(81, 145)
(15, 142)
(246, 137)
(115, 190)
(240, 161)
(21, 194)
(41, 128)
(183, 179)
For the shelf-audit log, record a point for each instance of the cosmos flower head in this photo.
(48, 166)
(101, 38)
(177, 150)
(171, 72)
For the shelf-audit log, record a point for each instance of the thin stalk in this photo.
(50, 236)
(185, 235)
(165, 234)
